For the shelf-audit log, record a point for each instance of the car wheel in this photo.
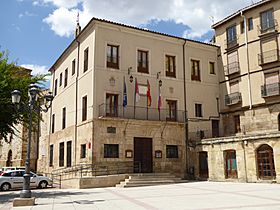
(43, 184)
(5, 187)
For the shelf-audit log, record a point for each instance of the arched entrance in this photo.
(265, 161)
(9, 158)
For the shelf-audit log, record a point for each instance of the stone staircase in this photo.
(149, 179)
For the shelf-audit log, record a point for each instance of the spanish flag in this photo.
(149, 97)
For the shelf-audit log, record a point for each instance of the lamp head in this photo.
(160, 83)
(48, 98)
(131, 78)
(16, 94)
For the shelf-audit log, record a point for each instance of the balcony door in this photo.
(111, 105)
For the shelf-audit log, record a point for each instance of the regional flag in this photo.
(149, 97)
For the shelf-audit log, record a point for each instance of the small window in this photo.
(53, 123)
(212, 67)
(60, 79)
(73, 67)
(143, 66)
(66, 77)
(63, 117)
(51, 155)
(61, 154)
(85, 60)
(171, 151)
(112, 56)
(250, 24)
(83, 150)
(242, 27)
(170, 66)
(267, 21)
(198, 110)
(84, 108)
(111, 151)
(55, 87)
(231, 35)
(195, 70)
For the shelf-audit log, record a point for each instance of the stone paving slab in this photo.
(189, 196)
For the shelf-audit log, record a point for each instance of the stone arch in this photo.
(265, 162)
(9, 158)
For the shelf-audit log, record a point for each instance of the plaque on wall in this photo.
(158, 154)
(128, 153)
(111, 129)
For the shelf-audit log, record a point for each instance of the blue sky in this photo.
(36, 32)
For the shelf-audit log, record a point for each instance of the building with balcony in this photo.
(249, 91)
(129, 95)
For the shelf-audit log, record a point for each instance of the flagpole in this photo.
(123, 94)
(134, 96)
(147, 101)
(159, 98)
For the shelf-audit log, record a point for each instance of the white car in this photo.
(14, 179)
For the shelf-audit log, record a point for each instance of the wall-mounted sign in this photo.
(158, 154)
(128, 153)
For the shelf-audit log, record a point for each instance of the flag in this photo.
(159, 98)
(137, 95)
(149, 97)
(124, 94)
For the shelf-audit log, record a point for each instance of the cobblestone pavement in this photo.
(194, 196)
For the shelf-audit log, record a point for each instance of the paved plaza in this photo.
(195, 195)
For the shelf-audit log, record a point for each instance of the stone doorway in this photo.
(203, 165)
(143, 155)
(231, 165)
(265, 160)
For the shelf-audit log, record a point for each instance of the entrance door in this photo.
(203, 165)
(143, 155)
(231, 166)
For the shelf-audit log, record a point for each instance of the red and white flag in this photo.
(137, 94)
(149, 97)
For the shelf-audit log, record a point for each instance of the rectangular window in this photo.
(112, 56)
(267, 21)
(170, 66)
(242, 27)
(66, 77)
(63, 117)
(51, 155)
(111, 151)
(61, 154)
(172, 110)
(53, 123)
(171, 151)
(55, 87)
(83, 150)
(195, 70)
(142, 66)
(198, 110)
(111, 105)
(212, 67)
(231, 35)
(73, 67)
(237, 128)
(85, 60)
(69, 154)
(250, 24)
(84, 108)
(60, 79)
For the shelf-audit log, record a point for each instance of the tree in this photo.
(13, 77)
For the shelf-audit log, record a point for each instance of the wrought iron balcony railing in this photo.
(140, 113)
(269, 57)
(270, 90)
(233, 98)
(231, 43)
(232, 68)
(272, 27)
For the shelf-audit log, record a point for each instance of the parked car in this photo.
(14, 179)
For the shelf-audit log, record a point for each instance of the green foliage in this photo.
(12, 78)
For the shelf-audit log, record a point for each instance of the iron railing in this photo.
(232, 68)
(233, 98)
(140, 113)
(269, 57)
(270, 90)
(231, 43)
(263, 29)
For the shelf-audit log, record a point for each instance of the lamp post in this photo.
(33, 91)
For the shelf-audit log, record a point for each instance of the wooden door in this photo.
(143, 155)
(203, 165)
(231, 165)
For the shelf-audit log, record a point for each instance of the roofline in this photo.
(239, 12)
(127, 26)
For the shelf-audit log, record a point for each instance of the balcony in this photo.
(140, 113)
(233, 98)
(268, 57)
(269, 28)
(270, 90)
(232, 68)
(231, 43)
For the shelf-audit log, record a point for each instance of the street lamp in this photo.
(33, 91)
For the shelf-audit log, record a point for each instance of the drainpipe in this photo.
(186, 126)
(76, 105)
(247, 58)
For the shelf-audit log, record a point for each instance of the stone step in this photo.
(152, 179)
(147, 184)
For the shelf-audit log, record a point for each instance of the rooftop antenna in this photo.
(212, 19)
(252, 2)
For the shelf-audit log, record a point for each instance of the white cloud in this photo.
(195, 14)
(36, 69)
(26, 13)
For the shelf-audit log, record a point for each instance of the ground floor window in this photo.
(230, 164)
(265, 161)
(83, 150)
(171, 151)
(111, 150)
